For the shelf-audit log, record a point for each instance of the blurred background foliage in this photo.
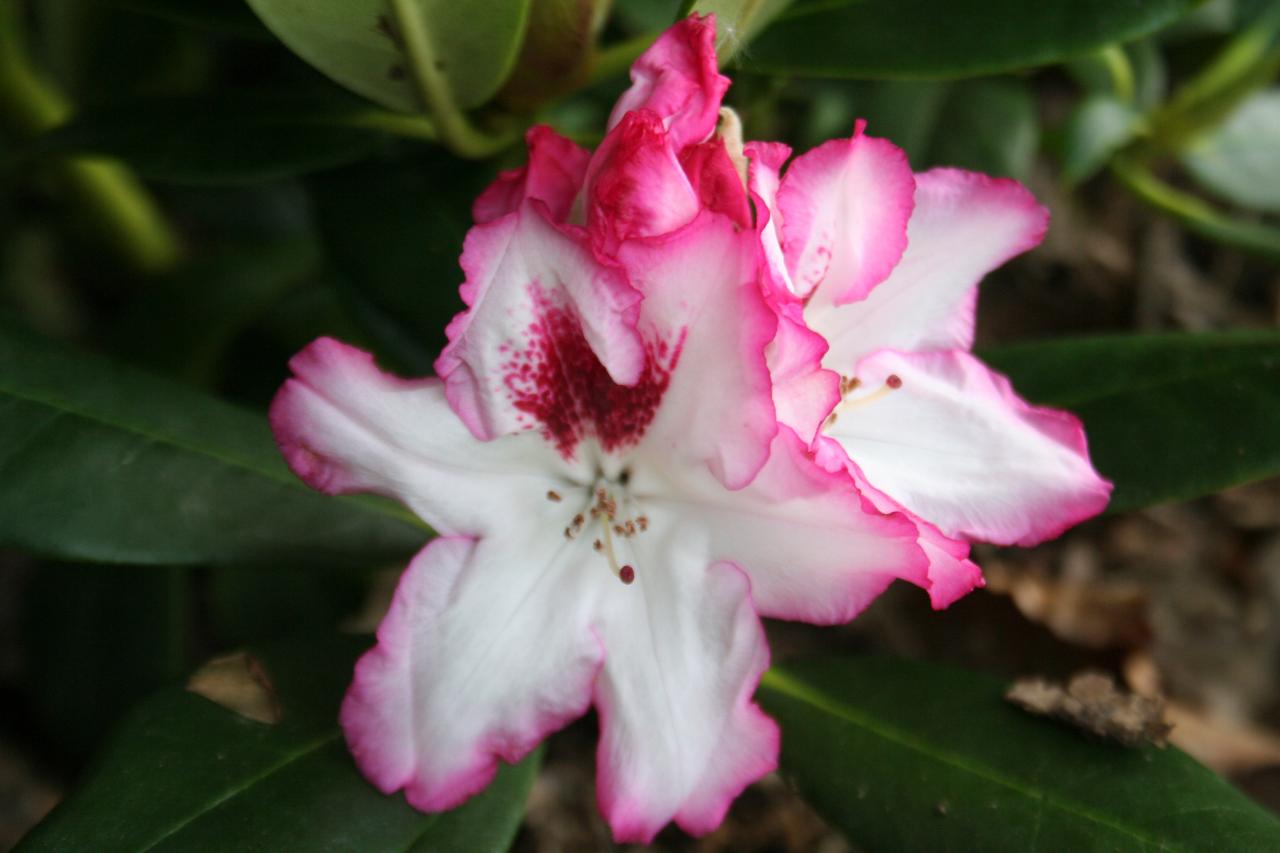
(191, 190)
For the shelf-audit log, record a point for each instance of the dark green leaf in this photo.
(913, 756)
(1098, 127)
(1169, 417)
(221, 139)
(100, 462)
(183, 324)
(989, 126)
(395, 231)
(185, 774)
(1240, 159)
(960, 38)
(231, 17)
(355, 43)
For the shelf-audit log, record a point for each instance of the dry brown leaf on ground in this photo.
(238, 683)
(1092, 702)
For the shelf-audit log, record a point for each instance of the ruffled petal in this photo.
(715, 180)
(635, 185)
(487, 648)
(680, 736)
(844, 208)
(524, 274)
(952, 575)
(345, 426)
(804, 393)
(965, 224)
(955, 445)
(553, 176)
(703, 312)
(814, 549)
(764, 176)
(677, 79)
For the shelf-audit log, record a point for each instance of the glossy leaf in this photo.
(1098, 127)
(1240, 159)
(989, 126)
(395, 231)
(738, 22)
(220, 16)
(221, 139)
(355, 43)
(1168, 417)
(907, 755)
(960, 38)
(186, 774)
(101, 462)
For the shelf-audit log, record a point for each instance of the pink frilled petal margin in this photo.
(844, 208)
(964, 225)
(517, 267)
(553, 176)
(678, 80)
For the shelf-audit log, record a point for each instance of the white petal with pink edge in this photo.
(680, 736)
(703, 305)
(345, 426)
(814, 549)
(487, 648)
(948, 438)
(965, 224)
(520, 269)
(844, 208)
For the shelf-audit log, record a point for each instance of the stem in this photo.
(1248, 62)
(1197, 215)
(1121, 71)
(398, 124)
(454, 128)
(112, 197)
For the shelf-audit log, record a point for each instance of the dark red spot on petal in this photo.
(560, 382)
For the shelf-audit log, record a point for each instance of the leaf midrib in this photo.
(303, 751)
(794, 688)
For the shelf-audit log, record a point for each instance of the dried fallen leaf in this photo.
(238, 683)
(1091, 701)
(1093, 613)
(1229, 746)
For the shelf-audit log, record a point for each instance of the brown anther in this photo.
(831, 419)
(598, 545)
(553, 496)
(643, 522)
(894, 381)
(568, 533)
(579, 520)
(619, 529)
(631, 527)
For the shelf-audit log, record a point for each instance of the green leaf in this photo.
(1099, 126)
(1168, 417)
(183, 324)
(186, 774)
(959, 38)
(230, 17)
(988, 126)
(738, 21)
(912, 756)
(222, 139)
(398, 255)
(354, 42)
(1240, 159)
(104, 463)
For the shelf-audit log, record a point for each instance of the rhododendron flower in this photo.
(884, 266)
(621, 455)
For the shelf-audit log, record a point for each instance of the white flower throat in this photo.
(605, 519)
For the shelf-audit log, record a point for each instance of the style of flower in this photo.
(622, 457)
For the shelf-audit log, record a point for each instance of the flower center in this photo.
(610, 526)
(848, 402)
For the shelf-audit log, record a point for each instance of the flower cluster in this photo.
(689, 389)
